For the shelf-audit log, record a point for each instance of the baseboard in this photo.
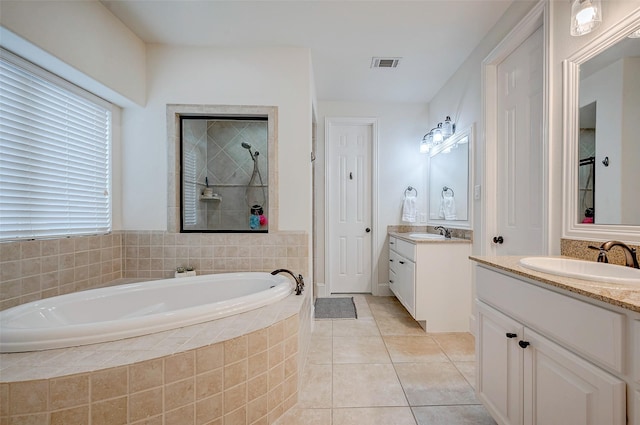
(321, 290)
(383, 290)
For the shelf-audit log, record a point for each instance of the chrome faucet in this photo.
(299, 280)
(629, 253)
(444, 231)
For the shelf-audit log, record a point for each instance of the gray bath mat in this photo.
(335, 308)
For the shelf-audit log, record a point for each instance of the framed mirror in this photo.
(450, 171)
(601, 102)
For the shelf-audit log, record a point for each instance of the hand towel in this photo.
(409, 211)
(448, 207)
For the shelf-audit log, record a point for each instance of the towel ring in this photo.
(409, 189)
(447, 189)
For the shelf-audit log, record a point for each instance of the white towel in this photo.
(409, 211)
(448, 207)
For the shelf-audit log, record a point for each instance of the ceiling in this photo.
(433, 37)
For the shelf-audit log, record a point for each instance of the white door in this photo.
(519, 186)
(349, 148)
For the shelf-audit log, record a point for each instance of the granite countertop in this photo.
(625, 296)
(406, 237)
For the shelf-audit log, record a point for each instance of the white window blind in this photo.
(54, 155)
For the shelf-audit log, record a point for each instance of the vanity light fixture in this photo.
(586, 15)
(437, 135)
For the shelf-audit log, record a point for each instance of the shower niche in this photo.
(224, 185)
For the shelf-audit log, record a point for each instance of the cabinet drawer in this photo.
(392, 242)
(406, 249)
(394, 261)
(583, 327)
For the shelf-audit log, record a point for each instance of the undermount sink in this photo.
(425, 236)
(588, 270)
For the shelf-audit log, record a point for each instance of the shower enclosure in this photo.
(224, 163)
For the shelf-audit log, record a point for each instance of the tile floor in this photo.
(383, 369)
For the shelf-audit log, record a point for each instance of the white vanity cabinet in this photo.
(432, 280)
(542, 355)
(402, 273)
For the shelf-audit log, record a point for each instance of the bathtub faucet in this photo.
(299, 280)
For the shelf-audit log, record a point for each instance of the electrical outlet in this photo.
(476, 192)
(423, 217)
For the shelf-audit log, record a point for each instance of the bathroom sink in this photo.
(588, 270)
(425, 236)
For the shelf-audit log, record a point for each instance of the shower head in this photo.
(246, 145)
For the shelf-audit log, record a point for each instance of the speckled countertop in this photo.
(406, 237)
(627, 297)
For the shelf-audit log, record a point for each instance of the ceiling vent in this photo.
(385, 62)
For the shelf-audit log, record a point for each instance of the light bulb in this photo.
(586, 15)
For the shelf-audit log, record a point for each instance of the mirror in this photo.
(601, 110)
(225, 177)
(449, 181)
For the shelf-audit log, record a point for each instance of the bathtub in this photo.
(124, 311)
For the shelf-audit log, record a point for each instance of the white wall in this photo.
(218, 76)
(401, 127)
(85, 36)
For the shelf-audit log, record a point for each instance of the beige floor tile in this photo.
(453, 415)
(399, 326)
(459, 347)
(468, 370)
(372, 299)
(297, 416)
(362, 307)
(359, 349)
(359, 327)
(316, 387)
(320, 350)
(427, 384)
(373, 416)
(388, 310)
(414, 349)
(322, 328)
(366, 385)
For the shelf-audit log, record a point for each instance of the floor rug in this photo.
(335, 308)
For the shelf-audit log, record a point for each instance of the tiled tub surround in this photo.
(242, 369)
(32, 270)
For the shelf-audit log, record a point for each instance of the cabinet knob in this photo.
(498, 239)
(390, 281)
(368, 229)
(401, 262)
(391, 261)
(523, 344)
(511, 335)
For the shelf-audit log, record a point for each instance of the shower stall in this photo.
(223, 161)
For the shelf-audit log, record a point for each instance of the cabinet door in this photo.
(406, 274)
(561, 388)
(500, 363)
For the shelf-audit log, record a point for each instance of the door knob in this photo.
(524, 344)
(498, 239)
(367, 230)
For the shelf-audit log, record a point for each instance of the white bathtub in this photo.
(124, 311)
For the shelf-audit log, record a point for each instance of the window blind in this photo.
(54, 156)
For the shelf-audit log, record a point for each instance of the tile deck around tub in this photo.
(67, 361)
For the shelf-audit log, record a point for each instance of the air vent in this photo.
(385, 62)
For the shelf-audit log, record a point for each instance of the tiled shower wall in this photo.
(215, 150)
(32, 270)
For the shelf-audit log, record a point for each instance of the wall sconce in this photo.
(586, 15)
(437, 135)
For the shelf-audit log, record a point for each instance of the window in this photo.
(54, 155)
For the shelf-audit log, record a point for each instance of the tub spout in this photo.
(299, 280)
